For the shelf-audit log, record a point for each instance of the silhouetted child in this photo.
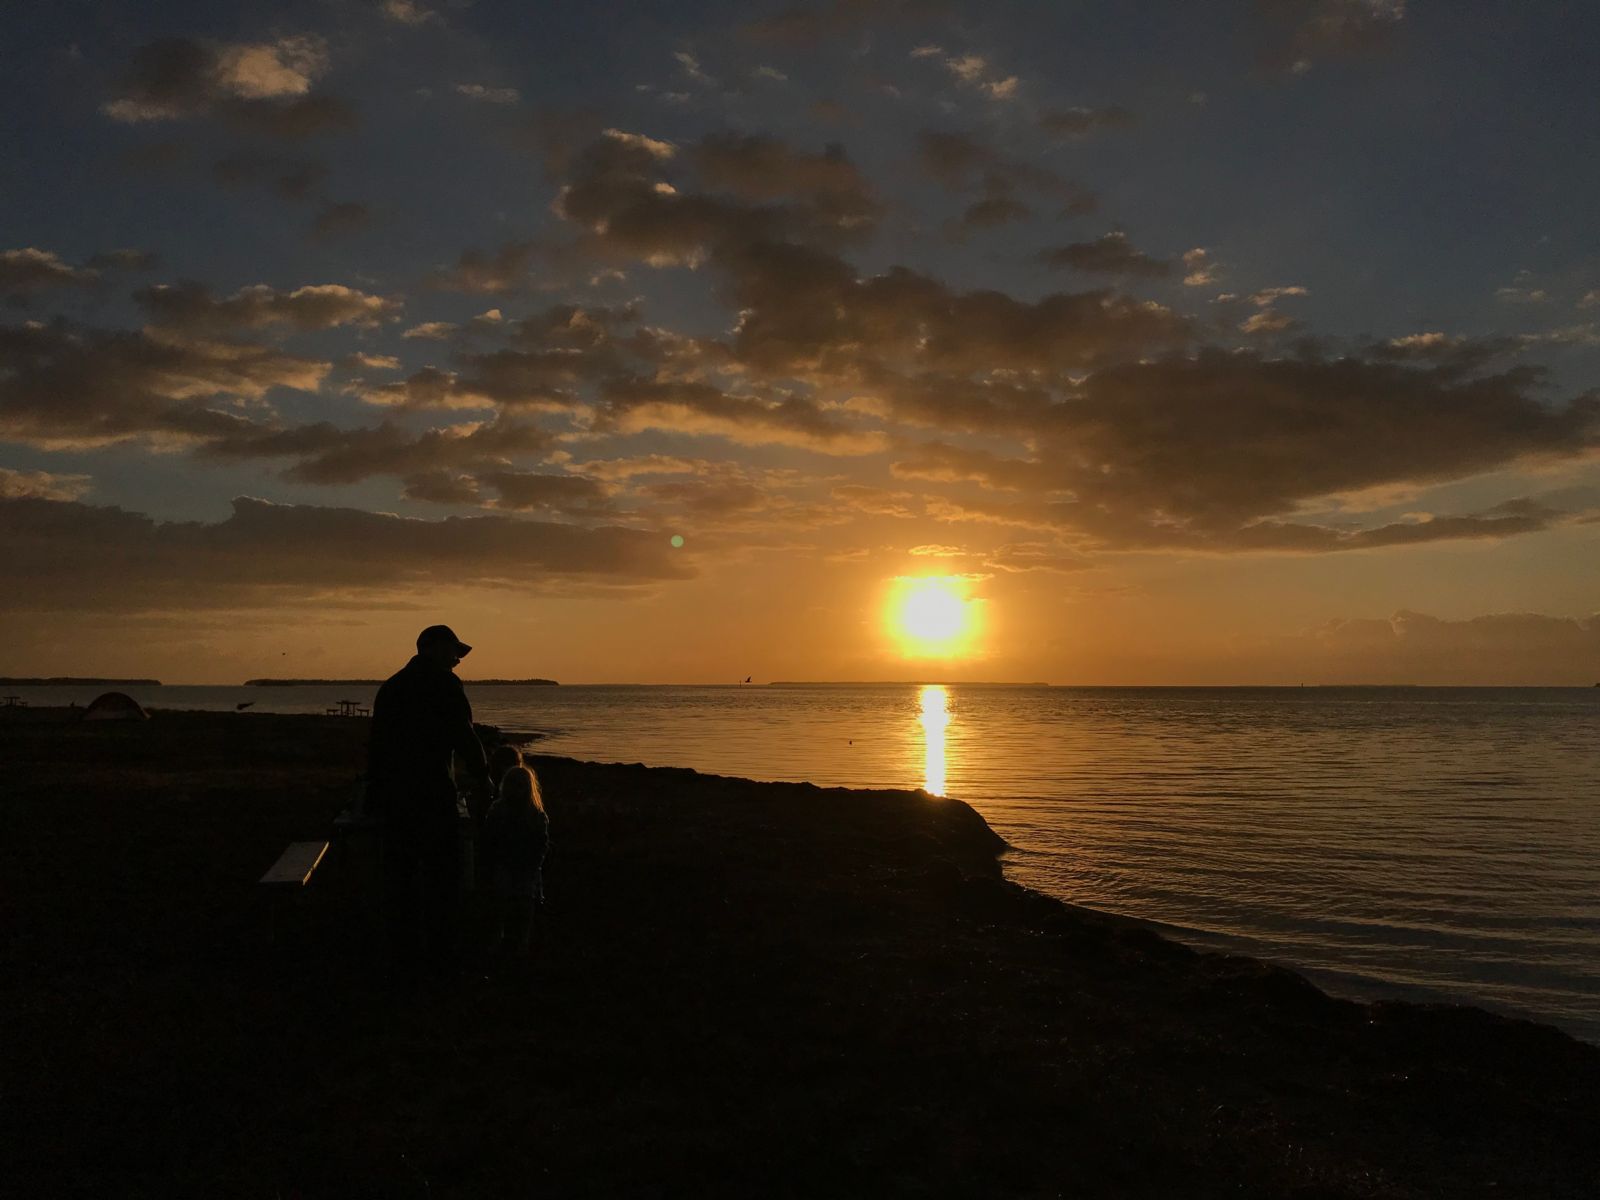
(501, 759)
(515, 838)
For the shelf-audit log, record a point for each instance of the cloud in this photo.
(1522, 295)
(504, 271)
(41, 485)
(972, 71)
(727, 498)
(806, 313)
(330, 455)
(757, 167)
(552, 354)
(443, 487)
(690, 66)
(617, 469)
(436, 331)
(428, 388)
(190, 306)
(1199, 269)
(1296, 33)
(409, 12)
(78, 558)
(1110, 254)
(1590, 299)
(488, 95)
(1018, 557)
(370, 362)
(270, 71)
(63, 385)
(1268, 321)
(1082, 122)
(635, 405)
(263, 86)
(1271, 295)
(621, 194)
(876, 501)
(1567, 335)
(31, 269)
(1214, 447)
(960, 163)
(525, 490)
(945, 463)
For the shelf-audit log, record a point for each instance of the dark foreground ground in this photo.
(744, 989)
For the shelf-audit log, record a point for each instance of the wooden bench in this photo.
(296, 864)
(289, 876)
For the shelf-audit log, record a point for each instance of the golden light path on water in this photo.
(935, 721)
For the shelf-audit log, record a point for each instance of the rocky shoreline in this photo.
(742, 988)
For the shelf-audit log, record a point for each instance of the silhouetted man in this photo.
(420, 720)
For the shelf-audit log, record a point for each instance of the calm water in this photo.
(1434, 843)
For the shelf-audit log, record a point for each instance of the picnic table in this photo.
(15, 702)
(349, 708)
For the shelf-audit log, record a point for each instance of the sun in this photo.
(932, 617)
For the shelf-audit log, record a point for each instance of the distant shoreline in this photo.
(988, 683)
(66, 680)
(376, 682)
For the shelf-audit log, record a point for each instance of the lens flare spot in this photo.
(677, 541)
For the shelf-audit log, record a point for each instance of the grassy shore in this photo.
(743, 989)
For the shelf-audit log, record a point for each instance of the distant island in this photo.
(64, 680)
(376, 682)
(979, 683)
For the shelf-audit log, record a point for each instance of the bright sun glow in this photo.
(932, 617)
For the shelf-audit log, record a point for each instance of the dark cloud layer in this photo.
(261, 87)
(62, 385)
(1109, 254)
(67, 555)
(1219, 451)
(328, 454)
(962, 163)
(190, 306)
(30, 269)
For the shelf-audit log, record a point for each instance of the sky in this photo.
(1248, 342)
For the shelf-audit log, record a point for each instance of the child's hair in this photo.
(521, 786)
(501, 759)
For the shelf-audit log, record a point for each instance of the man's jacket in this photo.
(420, 717)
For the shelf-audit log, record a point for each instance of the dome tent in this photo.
(115, 706)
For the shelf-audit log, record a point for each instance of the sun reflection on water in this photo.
(935, 721)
